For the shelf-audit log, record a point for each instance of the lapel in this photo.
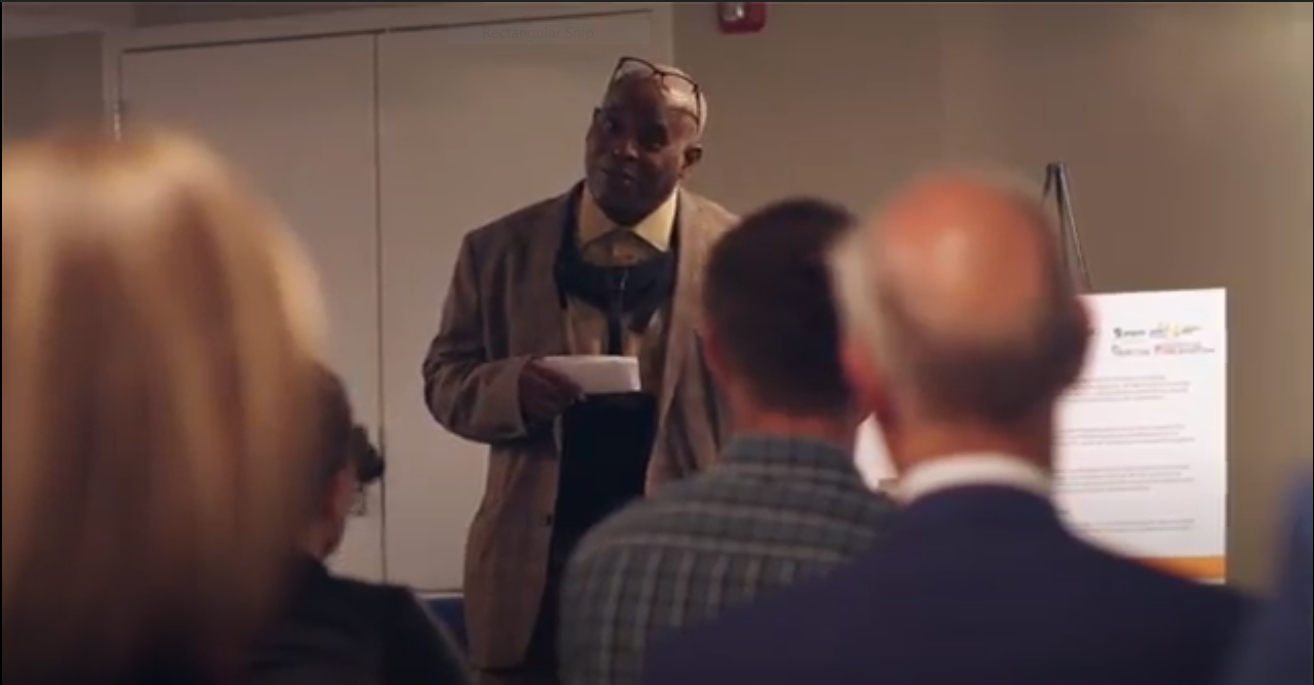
(681, 335)
(538, 300)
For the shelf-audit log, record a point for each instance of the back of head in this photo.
(345, 461)
(959, 303)
(159, 323)
(772, 326)
(335, 432)
(347, 445)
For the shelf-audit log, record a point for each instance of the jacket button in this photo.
(549, 520)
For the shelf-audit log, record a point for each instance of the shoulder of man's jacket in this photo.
(633, 527)
(1305, 511)
(715, 217)
(529, 217)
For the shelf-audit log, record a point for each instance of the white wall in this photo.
(51, 80)
(167, 13)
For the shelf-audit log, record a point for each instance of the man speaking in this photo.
(611, 267)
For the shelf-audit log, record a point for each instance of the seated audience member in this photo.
(1277, 647)
(159, 413)
(783, 504)
(962, 332)
(339, 631)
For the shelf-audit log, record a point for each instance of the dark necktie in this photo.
(617, 279)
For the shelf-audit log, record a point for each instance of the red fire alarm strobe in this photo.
(741, 17)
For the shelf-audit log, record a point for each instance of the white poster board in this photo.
(1142, 464)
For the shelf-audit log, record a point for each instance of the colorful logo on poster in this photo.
(1131, 350)
(1164, 339)
(1163, 331)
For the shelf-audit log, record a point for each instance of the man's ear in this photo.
(692, 156)
(712, 354)
(866, 384)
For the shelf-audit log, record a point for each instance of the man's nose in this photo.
(626, 149)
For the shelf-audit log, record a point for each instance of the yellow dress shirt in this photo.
(602, 243)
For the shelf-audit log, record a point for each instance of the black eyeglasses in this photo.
(675, 83)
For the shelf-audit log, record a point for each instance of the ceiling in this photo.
(23, 19)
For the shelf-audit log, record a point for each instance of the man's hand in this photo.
(545, 394)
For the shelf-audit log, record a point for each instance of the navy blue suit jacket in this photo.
(977, 585)
(1276, 650)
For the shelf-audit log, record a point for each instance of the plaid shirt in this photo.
(772, 512)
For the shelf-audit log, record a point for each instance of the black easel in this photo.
(1058, 187)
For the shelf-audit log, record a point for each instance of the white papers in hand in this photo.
(597, 374)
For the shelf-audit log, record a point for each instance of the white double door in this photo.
(384, 150)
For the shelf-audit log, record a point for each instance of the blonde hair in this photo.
(160, 327)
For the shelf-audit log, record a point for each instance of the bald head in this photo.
(957, 296)
(669, 86)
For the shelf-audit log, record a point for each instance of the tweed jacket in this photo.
(502, 311)
(773, 512)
